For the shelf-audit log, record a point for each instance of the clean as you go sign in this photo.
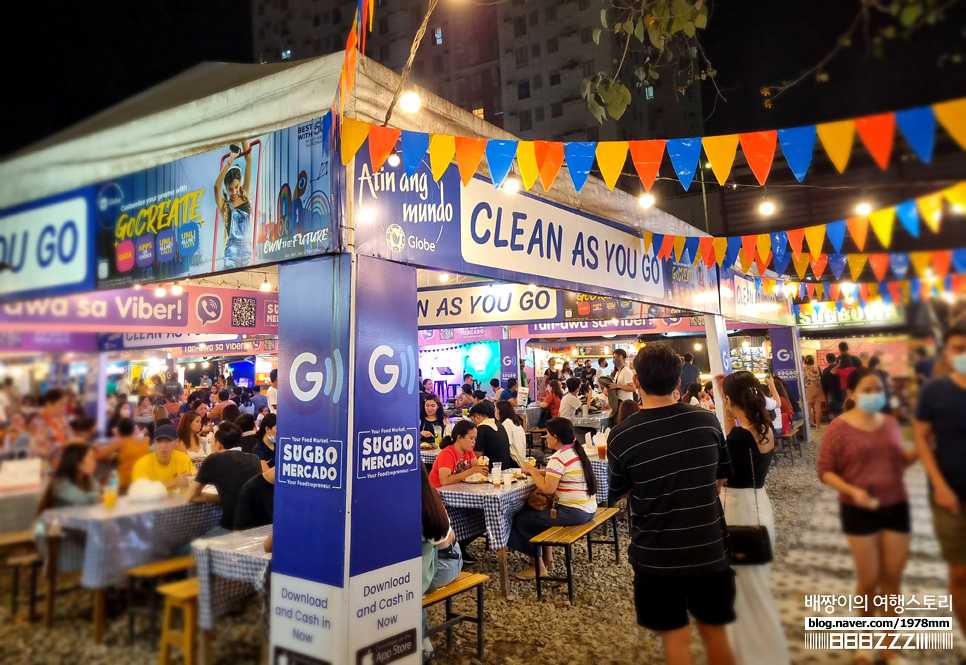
(486, 304)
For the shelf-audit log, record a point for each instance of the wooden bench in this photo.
(464, 582)
(785, 444)
(566, 536)
(150, 574)
(181, 595)
(18, 550)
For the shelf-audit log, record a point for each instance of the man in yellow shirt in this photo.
(167, 465)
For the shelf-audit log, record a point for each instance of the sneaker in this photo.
(469, 558)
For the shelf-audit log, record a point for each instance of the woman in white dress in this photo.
(757, 635)
(514, 429)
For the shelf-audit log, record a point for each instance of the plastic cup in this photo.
(602, 450)
(585, 410)
(507, 478)
(110, 499)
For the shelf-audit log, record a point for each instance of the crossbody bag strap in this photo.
(754, 483)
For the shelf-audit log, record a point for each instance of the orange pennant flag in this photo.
(748, 245)
(720, 151)
(880, 265)
(648, 236)
(354, 134)
(818, 265)
(877, 133)
(941, 261)
(856, 264)
(837, 140)
(895, 290)
(469, 154)
(795, 238)
(762, 263)
(527, 161)
(611, 156)
(720, 247)
(550, 157)
(858, 229)
(442, 148)
(759, 150)
(810, 290)
(764, 246)
(706, 250)
(882, 222)
(815, 235)
(679, 246)
(864, 292)
(382, 141)
(920, 261)
(666, 247)
(931, 210)
(834, 291)
(647, 156)
(801, 265)
(952, 116)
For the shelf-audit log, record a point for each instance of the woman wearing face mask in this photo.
(265, 448)
(864, 459)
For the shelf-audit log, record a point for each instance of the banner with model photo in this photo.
(256, 200)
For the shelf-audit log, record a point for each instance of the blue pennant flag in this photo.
(779, 246)
(836, 233)
(918, 125)
(757, 284)
(499, 159)
(691, 248)
(326, 130)
(781, 264)
(797, 145)
(684, 154)
(580, 160)
(908, 213)
(837, 263)
(795, 310)
(412, 148)
(959, 259)
(899, 262)
(884, 294)
(731, 253)
(915, 289)
(802, 291)
(657, 240)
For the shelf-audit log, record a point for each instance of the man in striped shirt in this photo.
(670, 459)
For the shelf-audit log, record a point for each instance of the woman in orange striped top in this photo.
(570, 478)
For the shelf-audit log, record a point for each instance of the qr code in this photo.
(243, 312)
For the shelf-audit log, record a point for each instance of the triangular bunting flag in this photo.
(877, 133)
(611, 156)
(856, 264)
(914, 289)
(469, 154)
(795, 238)
(920, 261)
(647, 156)
(880, 265)
(757, 284)
(820, 291)
(779, 245)
(667, 247)
(691, 244)
(864, 292)
(836, 234)
(499, 159)
(858, 229)
(818, 265)
(899, 262)
(748, 245)
(837, 140)
(720, 151)
(952, 116)
(882, 222)
(797, 144)
(759, 150)
(941, 260)
(647, 236)
(550, 157)
(918, 125)
(354, 134)
(413, 147)
(836, 263)
(707, 251)
(956, 195)
(762, 263)
(657, 241)
(763, 245)
(959, 259)
(733, 251)
(815, 235)
(684, 154)
(895, 290)
(780, 265)
(580, 159)
(679, 247)
(442, 149)
(809, 290)
(834, 291)
(720, 248)
(909, 216)
(801, 265)
(526, 160)
(382, 141)
(931, 210)
(744, 262)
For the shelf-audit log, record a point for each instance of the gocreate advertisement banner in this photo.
(255, 200)
(481, 231)
(48, 246)
(309, 610)
(486, 304)
(385, 588)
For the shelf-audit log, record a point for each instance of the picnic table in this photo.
(231, 569)
(105, 542)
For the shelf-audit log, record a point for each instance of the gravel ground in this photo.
(599, 629)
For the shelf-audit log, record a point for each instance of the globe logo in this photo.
(396, 238)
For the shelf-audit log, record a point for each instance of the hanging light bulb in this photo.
(393, 160)
(137, 287)
(205, 364)
(177, 289)
(410, 102)
(697, 346)
(863, 208)
(160, 292)
(646, 200)
(511, 186)
(443, 277)
(191, 365)
(266, 285)
(532, 287)
(766, 208)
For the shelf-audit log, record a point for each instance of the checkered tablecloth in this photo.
(130, 534)
(533, 415)
(599, 421)
(477, 509)
(231, 569)
(429, 456)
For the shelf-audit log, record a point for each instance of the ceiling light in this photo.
(958, 209)
(532, 287)
(863, 208)
(266, 286)
(160, 292)
(205, 364)
(707, 165)
(191, 365)
(137, 287)
(646, 200)
(393, 160)
(697, 346)
(766, 208)
(511, 186)
(443, 277)
(177, 289)
(745, 344)
(409, 102)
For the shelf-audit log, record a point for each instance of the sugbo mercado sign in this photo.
(47, 246)
(515, 238)
(486, 304)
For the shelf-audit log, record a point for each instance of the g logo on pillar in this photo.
(386, 372)
(783, 355)
(307, 377)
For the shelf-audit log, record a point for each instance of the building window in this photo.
(383, 25)
(550, 14)
(552, 45)
(526, 122)
(537, 82)
(589, 68)
(535, 50)
(478, 112)
(534, 18)
(438, 33)
(649, 92)
(586, 35)
(556, 110)
(336, 16)
(538, 114)
(555, 78)
(316, 21)
(523, 90)
(520, 26)
(286, 53)
(521, 54)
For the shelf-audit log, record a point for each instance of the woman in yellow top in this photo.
(127, 448)
(166, 465)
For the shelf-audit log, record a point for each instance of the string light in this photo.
(160, 292)
(266, 286)
(646, 200)
(393, 160)
(511, 186)
(443, 277)
(766, 208)
(177, 289)
(697, 346)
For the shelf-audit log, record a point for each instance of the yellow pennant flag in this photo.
(442, 149)
(920, 261)
(931, 210)
(952, 116)
(820, 291)
(837, 140)
(354, 134)
(720, 247)
(856, 264)
(745, 262)
(882, 222)
(801, 264)
(815, 237)
(764, 246)
(611, 156)
(873, 291)
(679, 246)
(527, 160)
(720, 151)
(647, 235)
(956, 195)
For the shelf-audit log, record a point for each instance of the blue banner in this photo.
(509, 361)
(784, 356)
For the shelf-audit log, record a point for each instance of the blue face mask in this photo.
(871, 402)
(271, 439)
(959, 363)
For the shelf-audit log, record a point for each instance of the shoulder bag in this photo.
(750, 545)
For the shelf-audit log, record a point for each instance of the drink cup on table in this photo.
(602, 450)
(585, 410)
(110, 498)
(484, 463)
(507, 478)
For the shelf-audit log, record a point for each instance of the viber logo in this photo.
(385, 375)
(307, 378)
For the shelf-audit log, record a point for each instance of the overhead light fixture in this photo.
(532, 287)
(443, 277)
(745, 344)
(205, 364)
(177, 289)
(409, 102)
(191, 365)
(137, 287)
(707, 165)
(766, 208)
(511, 186)
(266, 286)
(646, 200)
(863, 208)
(393, 160)
(957, 208)
(160, 292)
(697, 346)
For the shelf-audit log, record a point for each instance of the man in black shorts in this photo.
(671, 458)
